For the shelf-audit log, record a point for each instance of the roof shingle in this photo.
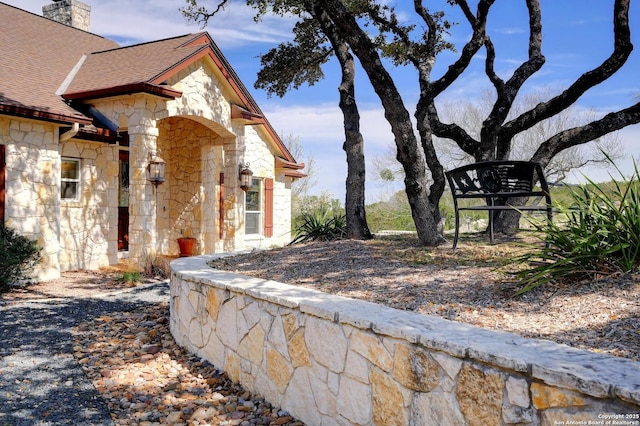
(37, 55)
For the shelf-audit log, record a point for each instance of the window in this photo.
(253, 208)
(70, 179)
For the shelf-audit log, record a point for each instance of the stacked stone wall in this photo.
(330, 360)
(69, 12)
(88, 226)
(32, 188)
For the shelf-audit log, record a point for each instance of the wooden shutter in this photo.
(2, 177)
(268, 207)
(221, 207)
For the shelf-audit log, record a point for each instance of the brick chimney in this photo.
(69, 12)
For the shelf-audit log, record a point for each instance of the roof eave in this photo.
(36, 114)
(240, 113)
(281, 163)
(98, 135)
(127, 89)
(295, 174)
(291, 169)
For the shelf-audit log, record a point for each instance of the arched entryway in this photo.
(190, 201)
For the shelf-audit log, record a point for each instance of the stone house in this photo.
(84, 123)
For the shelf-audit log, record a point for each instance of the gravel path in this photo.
(41, 383)
(111, 360)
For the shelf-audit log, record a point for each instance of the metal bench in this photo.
(497, 184)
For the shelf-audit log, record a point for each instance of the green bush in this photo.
(320, 227)
(19, 256)
(600, 237)
(130, 278)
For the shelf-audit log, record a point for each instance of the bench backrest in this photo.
(491, 177)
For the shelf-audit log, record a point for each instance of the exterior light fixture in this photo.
(244, 175)
(156, 168)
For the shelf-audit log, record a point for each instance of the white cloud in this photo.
(512, 30)
(138, 21)
(628, 137)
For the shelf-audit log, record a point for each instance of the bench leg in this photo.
(491, 222)
(457, 230)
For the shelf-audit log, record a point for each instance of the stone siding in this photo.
(33, 187)
(261, 160)
(69, 12)
(78, 234)
(89, 226)
(330, 360)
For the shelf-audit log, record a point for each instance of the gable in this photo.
(155, 68)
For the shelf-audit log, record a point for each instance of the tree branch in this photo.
(196, 13)
(478, 24)
(620, 54)
(579, 135)
(507, 92)
(452, 131)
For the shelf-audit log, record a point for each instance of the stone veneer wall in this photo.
(69, 12)
(330, 360)
(89, 226)
(78, 234)
(33, 187)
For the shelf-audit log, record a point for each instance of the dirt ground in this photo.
(468, 285)
(70, 284)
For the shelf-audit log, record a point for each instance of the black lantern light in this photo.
(156, 169)
(244, 175)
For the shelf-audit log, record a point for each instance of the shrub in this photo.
(19, 256)
(154, 266)
(320, 227)
(130, 278)
(601, 236)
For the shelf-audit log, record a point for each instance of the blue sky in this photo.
(577, 36)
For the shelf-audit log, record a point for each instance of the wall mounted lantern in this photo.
(244, 175)
(156, 168)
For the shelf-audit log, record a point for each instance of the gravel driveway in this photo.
(40, 381)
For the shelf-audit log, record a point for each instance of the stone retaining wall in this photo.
(330, 360)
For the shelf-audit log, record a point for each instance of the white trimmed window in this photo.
(70, 179)
(253, 208)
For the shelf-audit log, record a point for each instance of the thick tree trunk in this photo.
(506, 222)
(357, 227)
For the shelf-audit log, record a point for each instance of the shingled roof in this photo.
(47, 65)
(37, 56)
